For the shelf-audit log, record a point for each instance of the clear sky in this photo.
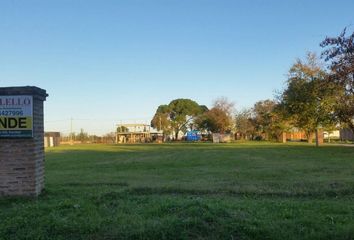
(104, 61)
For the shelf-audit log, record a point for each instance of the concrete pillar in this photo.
(22, 146)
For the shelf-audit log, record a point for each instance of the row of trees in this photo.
(85, 137)
(264, 120)
(317, 95)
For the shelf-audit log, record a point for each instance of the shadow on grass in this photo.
(96, 184)
(235, 193)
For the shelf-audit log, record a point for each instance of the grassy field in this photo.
(189, 191)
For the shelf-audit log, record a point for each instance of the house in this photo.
(346, 135)
(136, 133)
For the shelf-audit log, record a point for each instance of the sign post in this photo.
(16, 116)
(21, 141)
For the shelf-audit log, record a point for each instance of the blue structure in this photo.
(193, 136)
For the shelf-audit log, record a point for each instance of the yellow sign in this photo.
(15, 123)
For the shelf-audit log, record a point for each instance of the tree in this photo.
(82, 136)
(215, 120)
(262, 114)
(225, 105)
(109, 138)
(309, 100)
(268, 119)
(161, 120)
(340, 52)
(219, 118)
(244, 124)
(122, 129)
(177, 116)
(265, 119)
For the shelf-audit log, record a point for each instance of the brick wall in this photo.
(22, 160)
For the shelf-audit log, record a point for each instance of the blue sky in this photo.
(105, 61)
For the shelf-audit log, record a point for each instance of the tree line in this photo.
(319, 93)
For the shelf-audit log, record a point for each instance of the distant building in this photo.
(296, 135)
(136, 133)
(222, 138)
(331, 135)
(346, 135)
(51, 139)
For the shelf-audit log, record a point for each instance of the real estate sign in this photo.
(16, 116)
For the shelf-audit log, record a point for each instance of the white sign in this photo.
(16, 116)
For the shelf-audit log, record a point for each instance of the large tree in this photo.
(309, 99)
(219, 118)
(177, 116)
(215, 120)
(340, 52)
(161, 120)
(268, 119)
(262, 115)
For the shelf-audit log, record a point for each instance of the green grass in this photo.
(189, 191)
